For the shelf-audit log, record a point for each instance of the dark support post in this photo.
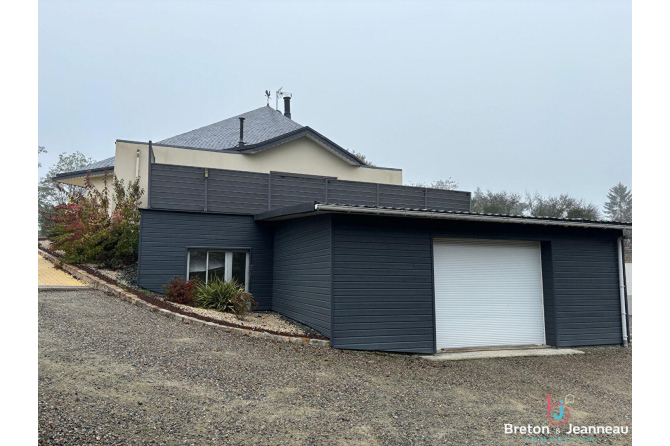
(425, 197)
(327, 180)
(270, 192)
(377, 194)
(206, 176)
(151, 161)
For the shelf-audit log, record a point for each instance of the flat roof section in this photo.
(314, 208)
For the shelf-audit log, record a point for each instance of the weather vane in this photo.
(267, 96)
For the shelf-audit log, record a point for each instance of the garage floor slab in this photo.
(484, 354)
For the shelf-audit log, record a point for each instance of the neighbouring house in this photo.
(317, 235)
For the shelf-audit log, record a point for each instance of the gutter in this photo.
(81, 173)
(467, 217)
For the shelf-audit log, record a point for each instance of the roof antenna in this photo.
(277, 96)
(267, 96)
(287, 98)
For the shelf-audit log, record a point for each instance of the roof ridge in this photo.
(224, 134)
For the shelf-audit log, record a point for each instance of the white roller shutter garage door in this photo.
(487, 293)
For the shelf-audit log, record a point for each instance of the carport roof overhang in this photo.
(316, 208)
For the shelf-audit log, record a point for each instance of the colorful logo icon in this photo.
(558, 414)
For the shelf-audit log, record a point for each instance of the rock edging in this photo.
(99, 284)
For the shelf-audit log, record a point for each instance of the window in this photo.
(208, 265)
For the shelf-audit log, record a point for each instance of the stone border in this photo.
(108, 288)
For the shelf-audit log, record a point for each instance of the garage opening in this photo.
(487, 293)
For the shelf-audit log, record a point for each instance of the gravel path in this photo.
(112, 373)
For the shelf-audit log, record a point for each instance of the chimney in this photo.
(241, 132)
(287, 106)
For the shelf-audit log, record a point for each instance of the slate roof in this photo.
(264, 128)
(109, 162)
(260, 125)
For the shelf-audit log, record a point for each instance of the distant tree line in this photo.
(619, 205)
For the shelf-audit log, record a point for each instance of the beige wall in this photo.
(125, 160)
(97, 181)
(298, 156)
(302, 156)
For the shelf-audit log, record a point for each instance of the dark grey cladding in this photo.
(302, 271)
(165, 238)
(382, 276)
(237, 192)
(365, 281)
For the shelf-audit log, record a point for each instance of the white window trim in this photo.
(228, 268)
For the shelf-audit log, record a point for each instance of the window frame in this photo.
(228, 269)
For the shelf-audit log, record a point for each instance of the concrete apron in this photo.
(486, 354)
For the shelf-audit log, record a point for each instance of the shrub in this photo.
(243, 303)
(180, 291)
(217, 295)
(94, 227)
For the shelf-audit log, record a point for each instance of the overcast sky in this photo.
(516, 95)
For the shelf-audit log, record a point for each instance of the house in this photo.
(342, 247)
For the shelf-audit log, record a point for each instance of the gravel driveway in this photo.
(112, 373)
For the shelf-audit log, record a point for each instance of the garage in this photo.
(487, 293)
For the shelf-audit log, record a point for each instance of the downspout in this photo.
(622, 293)
(151, 160)
(625, 282)
(137, 165)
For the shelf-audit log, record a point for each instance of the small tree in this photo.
(619, 206)
(49, 193)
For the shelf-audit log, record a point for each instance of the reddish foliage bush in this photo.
(95, 226)
(180, 291)
(243, 303)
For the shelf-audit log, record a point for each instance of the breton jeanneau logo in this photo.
(558, 414)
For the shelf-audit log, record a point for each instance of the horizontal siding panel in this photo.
(247, 192)
(382, 284)
(351, 192)
(587, 291)
(448, 200)
(166, 235)
(400, 333)
(346, 326)
(302, 271)
(289, 190)
(383, 318)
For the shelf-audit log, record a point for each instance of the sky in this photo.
(501, 94)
